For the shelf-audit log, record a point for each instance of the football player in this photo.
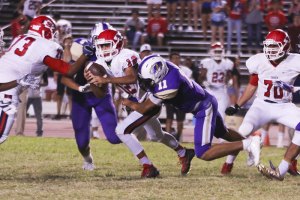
(214, 75)
(272, 73)
(167, 84)
(84, 101)
(121, 66)
(23, 63)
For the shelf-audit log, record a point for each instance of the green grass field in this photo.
(50, 168)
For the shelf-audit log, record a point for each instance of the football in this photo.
(98, 70)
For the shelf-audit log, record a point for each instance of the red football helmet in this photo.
(217, 51)
(277, 44)
(109, 44)
(43, 26)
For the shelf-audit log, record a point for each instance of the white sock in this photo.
(181, 152)
(230, 159)
(263, 134)
(283, 167)
(145, 160)
(280, 139)
(246, 143)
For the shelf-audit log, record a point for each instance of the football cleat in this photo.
(227, 168)
(293, 170)
(186, 161)
(88, 166)
(270, 173)
(149, 171)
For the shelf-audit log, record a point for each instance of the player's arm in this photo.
(69, 82)
(8, 85)
(129, 78)
(64, 68)
(247, 94)
(143, 108)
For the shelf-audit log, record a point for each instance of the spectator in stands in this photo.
(35, 99)
(30, 8)
(234, 85)
(205, 16)
(134, 28)
(145, 50)
(293, 10)
(19, 24)
(218, 19)
(235, 12)
(254, 19)
(273, 4)
(180, 116)
(191, 9)
(275, 19)
(171, 13)
(156, 29)
(153, 5)
(294, 33)
(188, 62)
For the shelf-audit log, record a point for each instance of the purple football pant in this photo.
(81, 117)
(209, 123)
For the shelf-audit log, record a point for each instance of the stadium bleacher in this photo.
(84, 14)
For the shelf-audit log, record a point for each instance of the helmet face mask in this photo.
(276, 45)
(108, 44)
(217, 51)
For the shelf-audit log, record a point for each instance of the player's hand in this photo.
(232, 110)
(283, 85)
(85, 88)
(88, 49)
(30, 81)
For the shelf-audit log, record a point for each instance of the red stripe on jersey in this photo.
(3, 119)
(253, 79)
(57, 65)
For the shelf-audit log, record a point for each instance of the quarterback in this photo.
(121, 67)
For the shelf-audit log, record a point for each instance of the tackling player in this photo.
(167, 84)
(25, 61)
(121, 67)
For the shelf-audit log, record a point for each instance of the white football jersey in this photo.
(287, 71)
(216, 72)
(25, 56)
(126, 58)
(31, 6)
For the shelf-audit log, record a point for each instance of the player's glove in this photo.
(283, 85)
(30, 81)
(85, 88)
(88, 49)
(232, 110)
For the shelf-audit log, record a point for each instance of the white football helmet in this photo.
(217, 51)
(2, 43)
(65, 29)
(277, 44)
(108, 44)
(99, 28)
(153, 68)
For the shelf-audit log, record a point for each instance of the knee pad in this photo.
(246, 129)
(296, 138)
